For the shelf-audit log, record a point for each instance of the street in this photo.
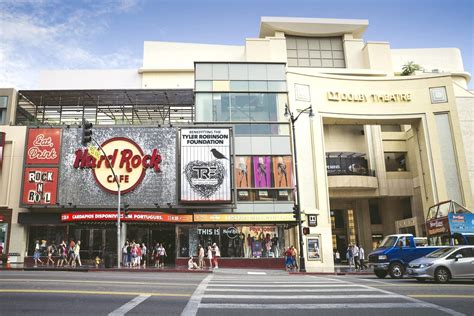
(226, 291)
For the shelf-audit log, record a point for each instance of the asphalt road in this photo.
(225, 292)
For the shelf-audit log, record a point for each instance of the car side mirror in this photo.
(458, 256)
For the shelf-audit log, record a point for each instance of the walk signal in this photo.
(305, 230)
(295, 212)
(126, 207)
(86, 132)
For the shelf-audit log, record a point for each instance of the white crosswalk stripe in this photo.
(281, 292)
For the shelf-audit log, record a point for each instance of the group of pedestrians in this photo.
(213, 254)
(291, 262)
(356, 257)
(67, 255)
(134, 254)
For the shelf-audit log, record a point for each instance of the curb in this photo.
(104, 270)
(332, 273)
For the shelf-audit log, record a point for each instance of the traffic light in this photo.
(295, 212)
(86, 132)
(305, 230)
(126, 207)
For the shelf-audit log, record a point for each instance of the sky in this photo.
(38, 35)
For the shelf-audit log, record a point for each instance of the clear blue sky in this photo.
(85, 34)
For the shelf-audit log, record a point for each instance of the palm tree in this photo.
(409, 68)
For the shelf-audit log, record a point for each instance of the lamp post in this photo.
(289, 115)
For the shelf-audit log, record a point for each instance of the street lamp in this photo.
(289, 115)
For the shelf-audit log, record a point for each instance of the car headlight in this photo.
(382, 257)
(425, 265)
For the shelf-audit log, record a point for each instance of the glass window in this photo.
(276, 72)
(240, 110)
(203, 85)
(395, 161)
(292, 62)
(301, 43)
(45, 235)
(3, 238)
(291, 43)
(327, 63)
(239, 86)
(375, 218)
(303, 62)
(204, 107)
(325, 44)
(3, 102)
(220, 71)
(238, 72)
(291, 53)
(257, 71)
(336, 44)
(308, 52)
(3, 116)
(313, 44)
(316, 63)
(257, 85)
(220, 85)
(203, 72)
(221, 109)
(339, 63)
(277, 86)
(303, 53)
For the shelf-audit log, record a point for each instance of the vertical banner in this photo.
(43, 146)
(243, 171)
(282, 172)
(262, 171)
(205, 165)
(3, 136)
(40, 186)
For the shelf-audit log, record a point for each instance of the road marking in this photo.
(289, 290)
(441, 296)
(95, 282)
(122, 310)
(251, 285)
(272, 282)
(195, 300)
(256, 273)
(303, 297)
(92, 292)
(311, 306)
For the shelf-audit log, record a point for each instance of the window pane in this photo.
(327, 63)
(240, 110)
(203, 85)
(313, 44)
(239, 86)
(291, 53)
(302, 43)
(276, 72)
(220, 71)
(338, 55)
(204, 107)
(257, 72)
(290, 43)
(277, 86)
(336, 44)
(325, 44)
(220, 85)
(203, 72)
(314, 54)
(257, 86)
(303, 62)
(221, 111)
(303, 54)
(326, 54)
(238, 72)
(339, 63)
(292, 62)
(3, 102)
(316, 63)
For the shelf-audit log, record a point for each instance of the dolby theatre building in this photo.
(204, 153)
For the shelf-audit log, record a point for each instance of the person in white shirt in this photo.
(217, 254)
(209, 256)
(192, 265)
(363, 266)
(200, 257)
(355, 252)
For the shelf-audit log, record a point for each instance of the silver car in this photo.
(444, 264)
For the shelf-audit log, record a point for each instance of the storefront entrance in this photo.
(153, 234)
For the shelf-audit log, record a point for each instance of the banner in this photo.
(205, 165)
(3, 136)
(43, 146)
(243, 171)
(282, 172)
(131, 217)
(243, 218)
(262, 171)
(40, 186)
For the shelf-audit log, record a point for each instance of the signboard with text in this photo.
(132, 217)
(43, 146)
(40, 186)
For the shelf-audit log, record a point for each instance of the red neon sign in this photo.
(132, 217)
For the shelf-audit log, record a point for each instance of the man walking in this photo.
(355, 251)
(363, 266)
(200, 257)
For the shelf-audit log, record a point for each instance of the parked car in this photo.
(395, 252)
(444, 264)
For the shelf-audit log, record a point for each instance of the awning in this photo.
(39, 218)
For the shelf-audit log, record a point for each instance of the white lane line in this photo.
(193, 303)
(425, 304)
(247, 290)
(274, 282)
(256, 272)
(251, 285)
(312, 306)
(122, 310)
(303, 297)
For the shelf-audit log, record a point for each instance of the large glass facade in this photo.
(317, 52)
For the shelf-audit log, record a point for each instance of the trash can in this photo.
(109, 261)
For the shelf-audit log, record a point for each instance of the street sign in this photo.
(312, 220)
(94, 152)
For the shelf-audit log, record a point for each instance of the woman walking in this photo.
(37, 254)
(209, 256)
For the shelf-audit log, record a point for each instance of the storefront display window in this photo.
(45, 235)
(3, 238)
(234, 241)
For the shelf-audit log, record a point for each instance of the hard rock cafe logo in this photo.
(43, 148)
(126, 158)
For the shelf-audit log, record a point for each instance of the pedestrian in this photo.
(70, 251)
(37, 254)
(62, 252)
(77, 256)
(350, 256)
(129, 255)
(288, 260)
(133, 251)
(124, 254)
(216, 255)
(50, 249)
(209, 256)
(338, 257)
(275, 246)
(156, 254)
(201, 257)
(144, 253)
(355, 252)
(191, 264)
(294, 257)
(161, 256)
(363, 266)
(139, 256)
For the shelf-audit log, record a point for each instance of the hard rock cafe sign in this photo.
(126, 158)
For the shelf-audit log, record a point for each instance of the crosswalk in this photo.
(298, 294)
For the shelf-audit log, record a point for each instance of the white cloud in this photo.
(40, 35)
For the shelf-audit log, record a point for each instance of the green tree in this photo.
(409, 68)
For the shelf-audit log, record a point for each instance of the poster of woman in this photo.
(314, 248)
(262, 171)
(282, 172)
(243, 171)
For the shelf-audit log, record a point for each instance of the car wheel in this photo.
(442, 275)
(396, 270)
(421, 279)
(380, 274)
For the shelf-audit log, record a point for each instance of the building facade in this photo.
(380, 150)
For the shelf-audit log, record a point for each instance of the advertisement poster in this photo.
(314, 248)
(205, 165)
(461, 223)
(243, 171)
(43, 146)
(40, 186)
(282, 172)
(262, 171)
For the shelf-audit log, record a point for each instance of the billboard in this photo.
(40, 186)
(262, 171)
(282, 172)
(205, 165)
(43, 146)
(243, 171)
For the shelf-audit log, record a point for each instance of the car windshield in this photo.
(470, 239)
(388, 242)
(439, 253)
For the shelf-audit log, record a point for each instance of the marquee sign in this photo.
(205, 165)
(43, 146)
(126, 158)
(132, 217)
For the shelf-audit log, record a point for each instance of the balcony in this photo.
(349, 170)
